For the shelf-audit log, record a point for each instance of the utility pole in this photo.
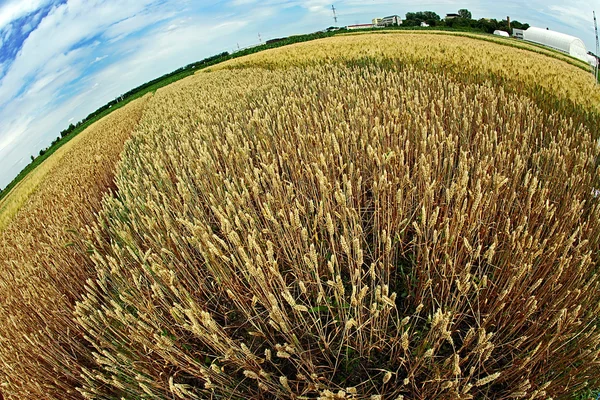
(597, 47)
(334, 14)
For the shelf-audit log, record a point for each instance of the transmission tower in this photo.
(597, 47)
(259, 38)
(335, 15)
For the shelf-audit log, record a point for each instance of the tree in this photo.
(415, 18)
(32, 158)
(464, 13)
(519, 25)
(67, 130)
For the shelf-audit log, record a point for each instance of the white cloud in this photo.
(15, 9)
(578, 12)
(135, 23)
(162, 51)
(33, 101)
(26, 28)
(99, 58)
(8, 29)
(237, 3)
(58, 32)
(31, 23)
(17, 128)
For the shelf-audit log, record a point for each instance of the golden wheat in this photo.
(509, 42)
(369, 216)
(347, 232)
(464, 55)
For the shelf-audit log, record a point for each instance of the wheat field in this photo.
(12, 203)
(44, 261)
(472, 59)
(365, 217)
(510, 42)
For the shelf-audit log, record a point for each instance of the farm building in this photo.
(592, 60)
(376, 21)
(559, 41)
(452, 16)
(501, 33)
(518, 33)
(360, 26)
(391, 20)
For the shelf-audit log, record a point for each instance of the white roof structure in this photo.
(501, 33)
(361, 26)
(558, 41)
(592, 60)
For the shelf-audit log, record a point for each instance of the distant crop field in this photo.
(374, 216)
(510, 42)
(12, 203)
(463, 54)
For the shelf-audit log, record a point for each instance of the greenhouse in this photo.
(558, 41)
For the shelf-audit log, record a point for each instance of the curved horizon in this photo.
(62, 60)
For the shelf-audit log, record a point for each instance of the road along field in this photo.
(368, 217)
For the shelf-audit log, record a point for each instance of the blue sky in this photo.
(62, 59)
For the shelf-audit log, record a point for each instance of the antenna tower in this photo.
(335, 15)
(597, 47)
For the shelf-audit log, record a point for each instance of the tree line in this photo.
(464, 20)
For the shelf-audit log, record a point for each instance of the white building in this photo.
(501, 33)
(518, 33)
(391, 20)
(360, 26)
(424, 24)
(376, 21)
(559, 41)
(592, 60)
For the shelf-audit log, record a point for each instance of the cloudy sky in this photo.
(62, 59)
